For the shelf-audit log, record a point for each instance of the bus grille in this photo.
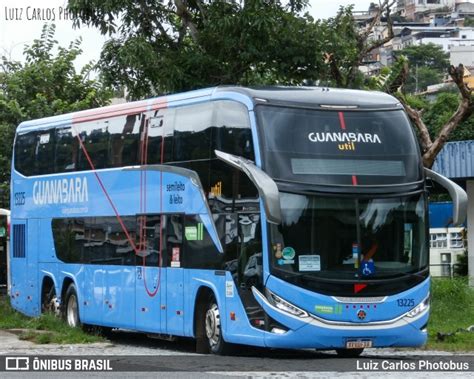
(19, 241)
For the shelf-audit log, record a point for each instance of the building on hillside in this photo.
(416, 9)
(462, 54)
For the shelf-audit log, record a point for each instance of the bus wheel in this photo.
(213, 329)
(71, 307)
(50, 302)
(349, 353)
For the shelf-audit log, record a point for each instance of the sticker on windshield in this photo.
(288, 253)
(309, 262)
(282, 262)
(368, 267)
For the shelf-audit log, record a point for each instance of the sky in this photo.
(21, 22)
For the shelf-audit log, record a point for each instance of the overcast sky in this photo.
(21, 22)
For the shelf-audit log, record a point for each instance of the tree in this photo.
(162, 47)
(346, 45)
(428, 65)
(159, 47)
(438, 112)
(427, 55)
(45, 85)
(430, 146)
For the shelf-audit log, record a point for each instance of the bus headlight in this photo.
(285, 306)
(420, 307)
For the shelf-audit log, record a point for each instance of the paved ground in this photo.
(140, 356)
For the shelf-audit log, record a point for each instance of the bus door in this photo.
(149, 274)
(174, 294)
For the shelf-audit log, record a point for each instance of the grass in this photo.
(452, 308)
(44, 329)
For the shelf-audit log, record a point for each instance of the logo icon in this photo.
(17, 363)
(361, 314)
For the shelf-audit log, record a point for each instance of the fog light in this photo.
(278, 331)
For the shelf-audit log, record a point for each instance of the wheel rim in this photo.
(72, 317)
(213, 325)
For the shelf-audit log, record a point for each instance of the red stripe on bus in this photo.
(101, 184)
(119, 110)
(354, 180)
(342, 121)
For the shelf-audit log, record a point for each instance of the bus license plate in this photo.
(358, 344)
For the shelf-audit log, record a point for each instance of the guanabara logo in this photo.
(60, 191)
(346, 141)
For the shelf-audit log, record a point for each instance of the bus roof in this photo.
(297, 96)
(319, 97)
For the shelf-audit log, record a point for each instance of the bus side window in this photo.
(69, 236)
(25, 146)
(250, 264)
(124, 138)
(200, 251)
(95, 137)
(192, 134)
(160, 128)
(44, 152)
(231, 132)
(174, 240)
(67, 149)
(148, 239)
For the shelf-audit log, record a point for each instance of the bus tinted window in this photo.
(25, 147)
(331, 147)
(67, 150)
(94, 240)
(192, 134)
(160, 129)
(95, 136)
(44, 150)
(232, 132)
(69, 239)
(123, 132)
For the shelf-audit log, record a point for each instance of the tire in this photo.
(71, 307)
(49, 303)
(349, 353)
(213, 330)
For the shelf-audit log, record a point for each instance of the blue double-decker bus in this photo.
(278, 217)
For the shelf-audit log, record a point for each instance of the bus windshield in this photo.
(349, 238)
(338, 148)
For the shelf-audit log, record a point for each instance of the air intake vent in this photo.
(19, 241)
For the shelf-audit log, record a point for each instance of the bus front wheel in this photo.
(213, 330)
(71, 307)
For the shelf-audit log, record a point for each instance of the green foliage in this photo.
(44, 329)
(160, 47)
(453, 298)
(429, 55)
(428, 65)
(461, 268)
(422, 77)
(469, 21)
(46, 84)
(438, 113)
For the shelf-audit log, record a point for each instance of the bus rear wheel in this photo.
(71, 307)
(213, 330)
(349, 353)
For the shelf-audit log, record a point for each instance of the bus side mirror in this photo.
(458, 195)
(266, 186)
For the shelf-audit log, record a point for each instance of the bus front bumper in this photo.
(315, 332)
